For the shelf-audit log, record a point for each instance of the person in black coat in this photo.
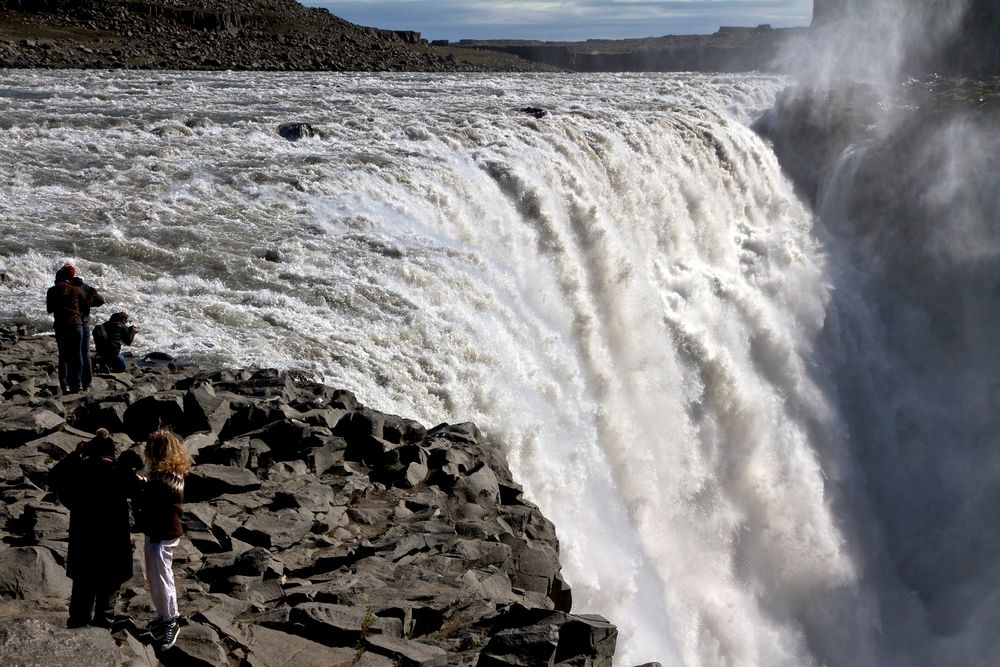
(69, 301)
(96, 489)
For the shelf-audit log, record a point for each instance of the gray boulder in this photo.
(205, 410)
(535, 637)
(318, 531)
(334, 624)
(20, 424)
(31, 573)
(209, 481)
(160, 410)
(404, 652)
(271, 648)
(282, 529)
(33, 643)
(197, 646)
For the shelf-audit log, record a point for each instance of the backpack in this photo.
(101, 334)
(62, 479)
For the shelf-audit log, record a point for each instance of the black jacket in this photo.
(162, 506)
(115, 335)
(67, 302)
(96, 491)
(92, 300)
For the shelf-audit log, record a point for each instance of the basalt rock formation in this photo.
(214, 35)
(318, 531)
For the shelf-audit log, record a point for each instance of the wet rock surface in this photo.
(317, 531)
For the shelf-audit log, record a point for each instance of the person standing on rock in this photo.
(96, 489)
(69, 302)
(161, 509)
(86, 371)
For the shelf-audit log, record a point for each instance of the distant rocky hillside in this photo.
(972, 50)
(214, 35)
(731, 49)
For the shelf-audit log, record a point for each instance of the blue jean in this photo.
(115, 362)
(86, 370)
(69, 339)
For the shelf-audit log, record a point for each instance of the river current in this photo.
(625, 294)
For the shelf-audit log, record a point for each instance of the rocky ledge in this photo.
(216, 35)
(318, 531)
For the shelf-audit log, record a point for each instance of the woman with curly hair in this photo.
(162, 506)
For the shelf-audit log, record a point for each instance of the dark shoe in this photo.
(156, 625)
(122, 623)
(170, 632)
(74, 623)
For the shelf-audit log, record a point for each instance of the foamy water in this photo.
(626, 294)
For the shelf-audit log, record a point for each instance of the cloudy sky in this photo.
(566, 19)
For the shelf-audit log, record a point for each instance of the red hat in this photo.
(67, 272)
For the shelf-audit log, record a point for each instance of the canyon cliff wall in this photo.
(970, 47)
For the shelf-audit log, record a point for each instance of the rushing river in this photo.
(625, 293)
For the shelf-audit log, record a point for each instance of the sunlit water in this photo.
(626, 294)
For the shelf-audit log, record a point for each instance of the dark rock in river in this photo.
(537, 112)
(314, 527)
(296, 131)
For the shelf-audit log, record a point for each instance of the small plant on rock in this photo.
(366, 625)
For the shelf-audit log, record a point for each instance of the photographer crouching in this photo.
(109, 338)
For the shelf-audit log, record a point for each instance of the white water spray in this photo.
(625, 293)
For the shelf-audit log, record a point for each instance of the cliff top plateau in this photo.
(216, 35)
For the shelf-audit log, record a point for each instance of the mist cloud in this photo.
(877, 41)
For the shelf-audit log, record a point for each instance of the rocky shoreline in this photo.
(283, 35)
(318, 531)
(271, 35)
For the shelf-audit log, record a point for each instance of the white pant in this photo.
(160, 576)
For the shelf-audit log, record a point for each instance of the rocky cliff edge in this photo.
(274, 35)
(318, 531)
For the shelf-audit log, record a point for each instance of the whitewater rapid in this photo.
(626, 294)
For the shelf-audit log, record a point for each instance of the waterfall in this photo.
(625, 294)
(913, 256)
